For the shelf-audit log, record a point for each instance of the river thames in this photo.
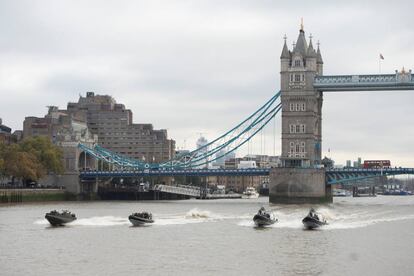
(365, 236)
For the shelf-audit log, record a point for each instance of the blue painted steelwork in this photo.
(333, 176)
(342, 176)
(184, 172)
(398, 81)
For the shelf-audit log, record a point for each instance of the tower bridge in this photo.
(301, 178)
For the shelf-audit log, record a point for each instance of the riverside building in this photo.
(113, 124)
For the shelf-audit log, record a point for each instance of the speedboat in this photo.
(250, 192)
(142, 218)
(264, 218)
(313, 220)
(57, 219)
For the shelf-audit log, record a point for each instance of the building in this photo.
(301, 104)
(328, 163)
(5, 133)
(64, 130)
(113, 124)
(239, 183)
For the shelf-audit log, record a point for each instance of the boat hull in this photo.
(137, 221)
(57, 220)
(260, 220)
(312, 223)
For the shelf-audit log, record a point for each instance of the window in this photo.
(292, 129)
(297, 128)
(297, 77)
(297, 149)
(292, 107)
(297, 63)
(303, 107)
(303, 128)
(302, 147)
(297, 107)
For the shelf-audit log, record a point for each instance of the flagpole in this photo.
(379, 64)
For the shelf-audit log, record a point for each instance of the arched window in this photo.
(297, 63)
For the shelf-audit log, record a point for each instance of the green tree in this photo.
(49, 155)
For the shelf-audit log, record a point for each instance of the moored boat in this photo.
(56, 218)
(250, 192)
(142, 218)
(264, 218)
(313, 220)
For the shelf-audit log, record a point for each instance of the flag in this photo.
(381, 56)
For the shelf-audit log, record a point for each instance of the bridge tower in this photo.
(300, 180)
(301, 104)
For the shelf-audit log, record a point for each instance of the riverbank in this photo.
(34, 195)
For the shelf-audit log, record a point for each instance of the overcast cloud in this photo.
(203, 66)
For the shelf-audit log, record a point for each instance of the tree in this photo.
(49, 155)
(31, 159)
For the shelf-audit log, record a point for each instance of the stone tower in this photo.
(301, 104)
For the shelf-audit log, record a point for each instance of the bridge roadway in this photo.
(333, 176)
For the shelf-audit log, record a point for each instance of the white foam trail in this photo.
(246, 223)
(101, 221)
(346, 224)
(179, 220)
(197, 214)
(41, 222)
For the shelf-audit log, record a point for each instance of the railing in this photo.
(180, 190)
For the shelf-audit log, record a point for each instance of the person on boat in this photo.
(262, 211)
(312, 214)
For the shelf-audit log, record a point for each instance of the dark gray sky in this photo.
(203, 66)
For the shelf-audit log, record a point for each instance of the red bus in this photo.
(371, 164)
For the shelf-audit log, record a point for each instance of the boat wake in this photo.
(101, 221)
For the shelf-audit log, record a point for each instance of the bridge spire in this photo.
(318, 54)
(301, 25)
(285, 51)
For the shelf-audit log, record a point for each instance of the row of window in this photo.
(148, 139)
(297, 106)
(297, 77)
(299, 128)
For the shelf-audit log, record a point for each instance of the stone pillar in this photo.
(298, 185)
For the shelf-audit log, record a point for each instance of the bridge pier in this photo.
(298, 186)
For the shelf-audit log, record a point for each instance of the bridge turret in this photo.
(285, 58)
(311, 57)
(319, 61)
